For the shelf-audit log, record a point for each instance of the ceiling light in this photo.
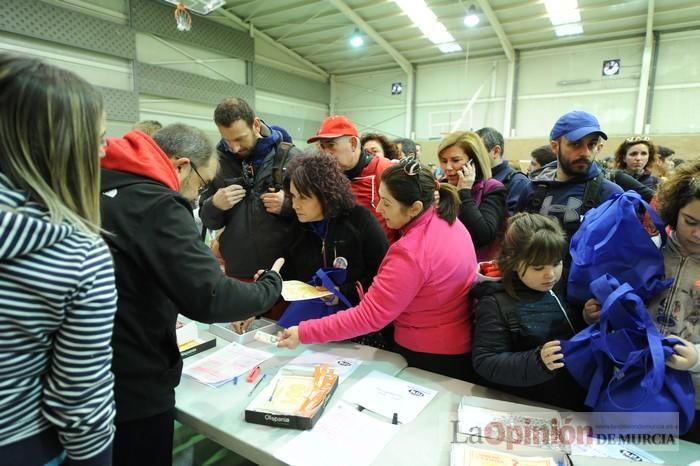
(201, 7)
(568, 29)
(356, 39)
(425, 19)
(472, 19)
(450, 47)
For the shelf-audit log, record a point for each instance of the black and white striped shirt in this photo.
(57, 305)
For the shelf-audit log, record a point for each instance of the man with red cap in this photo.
(338, 137)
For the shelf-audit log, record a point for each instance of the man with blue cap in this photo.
(571, 185)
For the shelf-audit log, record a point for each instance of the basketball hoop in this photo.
(182, 18)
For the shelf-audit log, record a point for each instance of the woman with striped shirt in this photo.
(57, 293)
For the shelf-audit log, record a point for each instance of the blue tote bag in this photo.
(299, 311)
(621, 360)
(612, 239)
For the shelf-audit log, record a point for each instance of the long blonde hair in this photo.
(473, 146)
(50, 139)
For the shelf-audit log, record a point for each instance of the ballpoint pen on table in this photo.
(257, 384)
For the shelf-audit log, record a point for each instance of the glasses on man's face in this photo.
(205, 184)
(637, 139)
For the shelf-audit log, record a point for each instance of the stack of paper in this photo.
(343, 437)
(343, 366)
(389, 396)
(222, 366)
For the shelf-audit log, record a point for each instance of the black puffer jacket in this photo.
(508, 356)
(354, 235)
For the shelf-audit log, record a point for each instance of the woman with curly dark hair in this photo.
(379, 145)
(677, 310)
(637, 155)
(332, 229)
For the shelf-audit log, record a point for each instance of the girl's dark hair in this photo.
(391, 152)
(530, 240)
(682, 188)
(409, 181)
(315, 173)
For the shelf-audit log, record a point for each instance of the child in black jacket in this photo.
(520, 319)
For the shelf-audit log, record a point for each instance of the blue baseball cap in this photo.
(575, 126)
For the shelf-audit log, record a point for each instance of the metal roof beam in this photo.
(498, 29)
(257, 33)
(369, 30)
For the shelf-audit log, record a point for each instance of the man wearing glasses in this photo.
(338, 137)
(162, 269)
(246, 197)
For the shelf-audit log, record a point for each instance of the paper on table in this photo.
(294, 290)
(222, 366)
(342, 437)
(615, 451)
(386, 395)
(465, 455)
(343, 366)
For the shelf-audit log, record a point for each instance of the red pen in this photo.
(253, 375)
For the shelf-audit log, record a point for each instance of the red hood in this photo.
(138, 154)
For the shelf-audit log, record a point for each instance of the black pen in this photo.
(257, 384)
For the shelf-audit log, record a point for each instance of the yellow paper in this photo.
(295, 290)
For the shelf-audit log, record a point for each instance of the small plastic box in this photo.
(225, 331)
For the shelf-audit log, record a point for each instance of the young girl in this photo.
(520, 319)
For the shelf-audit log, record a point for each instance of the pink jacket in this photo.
(421, 285)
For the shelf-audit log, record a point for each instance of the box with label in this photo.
(294, 398)
(225, 330)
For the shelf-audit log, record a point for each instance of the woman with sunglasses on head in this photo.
(57, 290)
(422, 284)
(465, 162)
(636, 156)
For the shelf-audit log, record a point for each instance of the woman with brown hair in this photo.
(637, 155)
(57, 289)
(379, 145)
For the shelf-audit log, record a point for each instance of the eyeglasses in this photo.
(412, 167)
(205, 184)
(637, 138)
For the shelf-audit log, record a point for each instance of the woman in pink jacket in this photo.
(421, 285)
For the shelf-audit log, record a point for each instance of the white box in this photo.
(225, 331)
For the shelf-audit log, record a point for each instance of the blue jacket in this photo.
(515, 186)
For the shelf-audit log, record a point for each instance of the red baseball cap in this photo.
(333, 127)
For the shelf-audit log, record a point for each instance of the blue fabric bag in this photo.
(621, 360)
(613, 240)
(299, 311)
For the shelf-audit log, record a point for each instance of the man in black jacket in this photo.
(246, 197)
(162, 269)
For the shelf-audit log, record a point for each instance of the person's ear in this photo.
(180, 163)
(257, 125)
(554, 144)
(415, 209)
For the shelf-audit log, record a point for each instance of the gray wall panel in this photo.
(38, 19)
(151, 16)
(165, 82)
(120, 105)
(300, 129)
(282, 82)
